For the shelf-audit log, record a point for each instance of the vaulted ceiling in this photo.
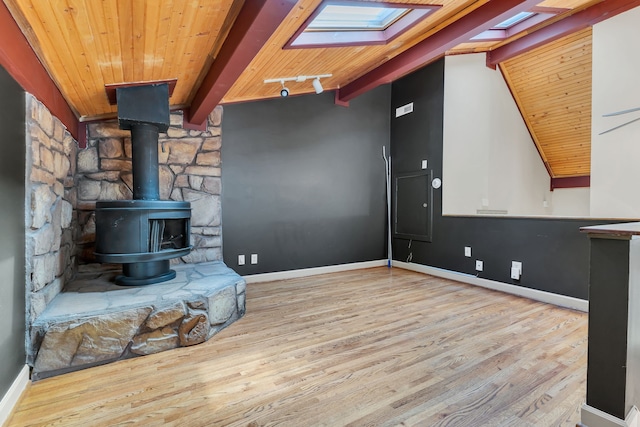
(221, 51)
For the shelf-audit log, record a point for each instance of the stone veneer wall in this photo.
(50, 199)
(189, 170)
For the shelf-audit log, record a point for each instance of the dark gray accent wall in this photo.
(303, 181)
(12, 267)
(607, 369)
(555, 255)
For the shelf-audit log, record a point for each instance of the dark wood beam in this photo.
(434, 47)
(256, 22)
(21, 62)
(571, 182)
(578, 21)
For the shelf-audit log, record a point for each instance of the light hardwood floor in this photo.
(362, 348)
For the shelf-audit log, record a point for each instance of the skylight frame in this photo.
(348, 37)
(540, 14)
(514, 20)
(395, 14)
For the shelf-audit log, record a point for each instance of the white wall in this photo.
(570, 202)
(615, 156)
(488, 152)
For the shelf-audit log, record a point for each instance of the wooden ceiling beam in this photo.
(255, 24)
(570, 182)
(434, 47)
(21, 62)
(578, 21)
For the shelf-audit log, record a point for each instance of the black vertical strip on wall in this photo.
(555, 255)
(12, 243)
(304, 181)
(608, 315)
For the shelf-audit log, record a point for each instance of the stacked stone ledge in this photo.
(189, 170)
(50, 200)
(94, 322)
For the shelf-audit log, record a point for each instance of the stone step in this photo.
(93, 321)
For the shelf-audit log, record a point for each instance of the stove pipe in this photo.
(144, 161)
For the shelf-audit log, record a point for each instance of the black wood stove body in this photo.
(143, 234)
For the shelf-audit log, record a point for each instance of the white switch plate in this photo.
(516, 270)
(515, 273)
(467, 251)
(424, 164)
(254, 258)
(479, 265)
(240, 259)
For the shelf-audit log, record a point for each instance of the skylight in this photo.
(344, 18)
(514, 20)
(518, 23)
(337, 23)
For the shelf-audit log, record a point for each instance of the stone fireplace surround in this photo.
(72, 307)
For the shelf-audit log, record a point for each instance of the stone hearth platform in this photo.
(93, 321)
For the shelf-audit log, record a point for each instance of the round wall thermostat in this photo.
(436, 183)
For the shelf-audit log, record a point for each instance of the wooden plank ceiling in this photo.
(552, 86)
(87, 44)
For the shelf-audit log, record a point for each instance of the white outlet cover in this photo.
(479, 265)
(517, 265)
(467, 251)
(424, 164)
(254, 258)
(515, 273)
(241, 260)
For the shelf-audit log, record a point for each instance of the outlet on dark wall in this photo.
(304, 181)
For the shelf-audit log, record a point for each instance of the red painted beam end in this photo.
(338, 101)
(82, 135)
(186, 124)
(571, 182)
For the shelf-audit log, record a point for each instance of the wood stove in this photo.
(143, 234)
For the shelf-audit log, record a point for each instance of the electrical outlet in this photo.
(240, 259)
(467, 251)
(479, 265)
(516, 270)
(424, 164)
(254, 258)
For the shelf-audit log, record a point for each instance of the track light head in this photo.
(317, 85)
(284, 92)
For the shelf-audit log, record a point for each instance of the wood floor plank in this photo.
(373, 347)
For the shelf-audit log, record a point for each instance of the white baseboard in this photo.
(593, 417)
(548, 297)
(292, 274)
(12, 396)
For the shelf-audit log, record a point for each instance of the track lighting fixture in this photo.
(284, 92)
(317, 85)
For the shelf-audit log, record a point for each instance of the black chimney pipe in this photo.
(144, 161)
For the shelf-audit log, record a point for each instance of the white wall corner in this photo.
(593, 417)
(11, 397)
